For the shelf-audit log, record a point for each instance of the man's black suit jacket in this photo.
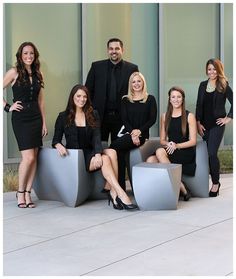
(97, 83)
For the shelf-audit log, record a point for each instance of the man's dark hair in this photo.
(115, 40)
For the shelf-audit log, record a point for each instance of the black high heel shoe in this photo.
(188, 195)
(115, 205)
(30, 204)
(126, 206)
(22, 204)
(215, 194)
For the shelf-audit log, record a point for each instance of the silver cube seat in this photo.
(65, 179)
(156, 186)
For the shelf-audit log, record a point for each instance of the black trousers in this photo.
(213, 138)
(111, 124)
(122, 146)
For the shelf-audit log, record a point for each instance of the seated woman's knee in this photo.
(151, 159)
(111, 153)
(160, 152)
(105, 159)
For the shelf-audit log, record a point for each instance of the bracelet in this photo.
(7, 107)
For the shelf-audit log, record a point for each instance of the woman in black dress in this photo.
(80, 125)
(138, 113)
(28, 116)
(178, 136)
(211, 115)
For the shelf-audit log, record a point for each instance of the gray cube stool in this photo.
(156, 186)
(62, 179)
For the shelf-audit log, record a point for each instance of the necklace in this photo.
(210, 88)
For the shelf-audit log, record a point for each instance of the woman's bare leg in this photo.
(27, 161)
(152, 159)
(30, 179)
(109, 175)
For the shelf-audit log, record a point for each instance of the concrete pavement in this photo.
(96, 240)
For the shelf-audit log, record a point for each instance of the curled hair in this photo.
(87, 109)
(130, 90)
(221, 80)
(35, 66)
(170, 110)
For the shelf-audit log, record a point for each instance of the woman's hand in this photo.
(44, 130)
(170, 147)
(223, 121)
(136, 133)
(16, 106)
(97, 161)
(61, 149)
(200, 128)
(135, 140)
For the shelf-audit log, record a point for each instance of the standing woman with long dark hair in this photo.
(211, 115)
(28, 115)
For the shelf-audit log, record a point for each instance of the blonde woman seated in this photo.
(138, 114)
(178, 136)
(80, 125)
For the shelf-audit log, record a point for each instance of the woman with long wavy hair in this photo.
(80, 125)
(28, 115)
(212, 117)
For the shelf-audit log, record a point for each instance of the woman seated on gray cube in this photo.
(178, 136)
(80, 125)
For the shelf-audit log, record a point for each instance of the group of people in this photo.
(114, 106)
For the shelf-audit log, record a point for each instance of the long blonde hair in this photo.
(130, 90)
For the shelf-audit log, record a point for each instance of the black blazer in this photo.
(93, 136)
(97, 83)
(218, 102)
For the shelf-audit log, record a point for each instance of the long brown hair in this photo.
(87, 109)
(221, 80)
(170, 110)
(35, 66)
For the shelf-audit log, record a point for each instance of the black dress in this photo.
(27, 123)
(83, 144)
(184, 156)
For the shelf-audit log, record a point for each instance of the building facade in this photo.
(170, 42)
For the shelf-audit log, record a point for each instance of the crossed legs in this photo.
(110, 173)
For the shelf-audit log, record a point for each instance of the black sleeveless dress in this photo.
(83, 144)
(185, 156)
(27, 123)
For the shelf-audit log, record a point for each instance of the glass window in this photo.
(55, 30)
(228, 61)
(190, 36)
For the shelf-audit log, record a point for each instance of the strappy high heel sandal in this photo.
(22, 204)
(30, 204)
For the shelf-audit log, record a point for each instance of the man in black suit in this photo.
(107, 82)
